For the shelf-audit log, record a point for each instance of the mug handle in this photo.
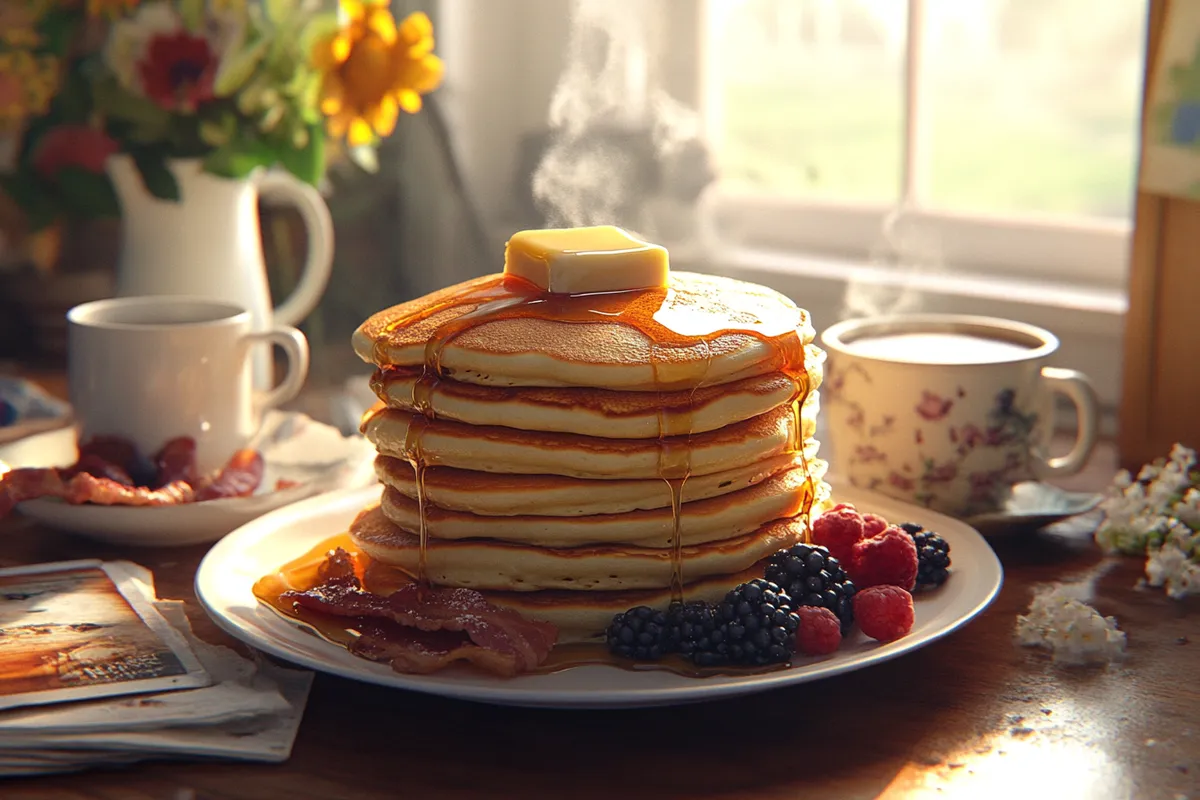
(295, 347)
(1078, 388)
(319, 227)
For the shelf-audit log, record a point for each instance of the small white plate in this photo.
(225, 579)
(294, 448)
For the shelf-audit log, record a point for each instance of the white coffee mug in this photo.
(948, 411)
(151, 369)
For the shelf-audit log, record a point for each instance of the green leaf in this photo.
(279, 11)
(33, 196)
(192, 13)
(88, 193)
(73, 103)
(58, 28)
(117, 103)
(320, 26)
(239, 158)
(238, 68)
(156, 175)
(306, 163)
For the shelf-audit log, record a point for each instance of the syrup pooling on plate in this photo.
(667, 321)
(303, 573)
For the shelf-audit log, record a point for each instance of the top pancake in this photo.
(727, 325)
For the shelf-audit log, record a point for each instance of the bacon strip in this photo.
(238, 478)
(398, 628)
(19, 485)
(110, 472)
(176, 462)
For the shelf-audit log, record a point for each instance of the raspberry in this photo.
(873, 525)
(885, 613)
(889, 558)
(820, 631)
(837, 530)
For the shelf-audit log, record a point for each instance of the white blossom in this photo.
(1158, 516)
(1074, 632)
(1170, 567)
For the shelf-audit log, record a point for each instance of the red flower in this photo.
(72, 146)
(177, 71)
(932, 407)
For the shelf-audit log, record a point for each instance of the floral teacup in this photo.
(948, 411)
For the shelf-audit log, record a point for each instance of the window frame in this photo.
(1075, 250)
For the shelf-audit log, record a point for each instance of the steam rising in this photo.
(907, 252)
(622, 151)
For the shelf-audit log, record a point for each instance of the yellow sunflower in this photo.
(110, 8)
(372, 69)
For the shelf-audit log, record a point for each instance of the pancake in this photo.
(597, 412)
(495, 494)
(579, 616)
(602, 352)
(490, 564)
(508, 450)
(718, 518)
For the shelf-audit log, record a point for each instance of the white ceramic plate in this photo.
(294, 447)
(229, 571)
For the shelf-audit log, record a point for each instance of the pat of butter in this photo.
(579, 260)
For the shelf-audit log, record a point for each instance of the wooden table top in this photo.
(972, 715)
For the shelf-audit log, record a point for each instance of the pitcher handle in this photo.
(319, 225)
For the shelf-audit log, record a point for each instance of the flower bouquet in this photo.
(234, 84)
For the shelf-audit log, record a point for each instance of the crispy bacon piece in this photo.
(110, 471)
(20, 485)
(93, 464)
(238, 478)
(422, 631)
(176, 462)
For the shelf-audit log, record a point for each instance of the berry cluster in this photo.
(858, 568)
(754, 625)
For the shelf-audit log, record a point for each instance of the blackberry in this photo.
(758, 625)
(933, 556)
(693, 631)
(638, 633)
(812, 577)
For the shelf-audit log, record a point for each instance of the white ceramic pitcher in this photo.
(208, 245)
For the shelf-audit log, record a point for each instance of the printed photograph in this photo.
(72, 634)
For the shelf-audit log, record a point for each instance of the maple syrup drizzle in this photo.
(650, 311)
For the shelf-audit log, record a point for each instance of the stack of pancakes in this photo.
(543, 442)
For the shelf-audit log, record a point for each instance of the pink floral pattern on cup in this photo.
(933, 407)
(1008, 425)
(952, 435)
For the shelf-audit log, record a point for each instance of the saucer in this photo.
(295, 448)
(1034, 505)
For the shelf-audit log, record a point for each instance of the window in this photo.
(1006, 129)
(1019, 174)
